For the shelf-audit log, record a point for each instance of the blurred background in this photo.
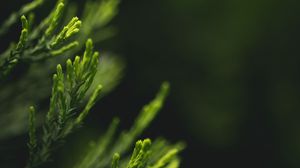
(234, 71)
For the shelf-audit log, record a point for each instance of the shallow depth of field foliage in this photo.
(53, 75)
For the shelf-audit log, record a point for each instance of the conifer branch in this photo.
(48, 44)
(73, 93)
(68, 92)
(159, 155)
(144, 152)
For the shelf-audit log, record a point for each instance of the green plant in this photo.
(14, 122)
(75, 90)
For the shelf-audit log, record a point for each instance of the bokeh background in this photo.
(234, 69)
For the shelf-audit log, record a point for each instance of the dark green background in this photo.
(234, 70)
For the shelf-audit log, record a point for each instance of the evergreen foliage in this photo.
(76, 88)
(35, 45)
(14, 123)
